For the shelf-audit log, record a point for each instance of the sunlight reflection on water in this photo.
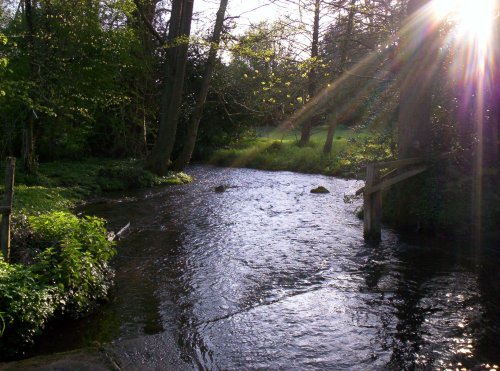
(267, 275)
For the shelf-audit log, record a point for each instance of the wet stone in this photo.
(320, 189)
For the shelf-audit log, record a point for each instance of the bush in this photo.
(75, 255)
(69, 273)
(25, 306)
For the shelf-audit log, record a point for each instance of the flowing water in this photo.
(267, 275)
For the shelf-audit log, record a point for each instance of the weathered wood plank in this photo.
(385, 176)
(372, 207)
(399, 163)
(389, 182)
(8, 197)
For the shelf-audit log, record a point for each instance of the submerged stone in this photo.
(220, 188)
(320, 189)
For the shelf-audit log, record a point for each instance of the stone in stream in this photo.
(220, 189)
(320, 189)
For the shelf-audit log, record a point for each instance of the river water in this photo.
(267, 275)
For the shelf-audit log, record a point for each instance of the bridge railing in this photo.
(375, 184)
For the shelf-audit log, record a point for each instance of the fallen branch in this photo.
(112, 236)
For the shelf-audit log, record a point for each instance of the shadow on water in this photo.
(267, 275)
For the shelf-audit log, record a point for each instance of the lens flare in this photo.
(473, 19)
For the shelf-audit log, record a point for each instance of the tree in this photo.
(264, 82)
(312, 85)
(417, 56)
(175, 69)
(78, 85)
(333, 119)
(192, 130)
(28, 152)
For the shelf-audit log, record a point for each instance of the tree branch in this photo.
(148, 24)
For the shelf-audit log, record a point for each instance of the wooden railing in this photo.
(375, 184)
(6, 208)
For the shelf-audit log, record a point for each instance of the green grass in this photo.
(271, 150)
(61, 185)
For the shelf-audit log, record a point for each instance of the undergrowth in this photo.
(59, 262)
(61, 268)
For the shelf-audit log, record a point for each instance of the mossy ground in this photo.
(59, 186)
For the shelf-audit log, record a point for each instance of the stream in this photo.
(267, 275)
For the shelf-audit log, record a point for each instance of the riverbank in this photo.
(60, 263)
(273, 150)
(434, 204)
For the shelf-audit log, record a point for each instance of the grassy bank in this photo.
(439, 201)
(59, 262)
(272, 150)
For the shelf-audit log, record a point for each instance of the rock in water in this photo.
(320, 189)
(220, 188)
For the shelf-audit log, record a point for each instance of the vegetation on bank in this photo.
(443, 196)
(60, 263)
(272, 150)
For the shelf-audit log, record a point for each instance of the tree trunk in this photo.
(305, 135)
(192, 130)
(416, 85)
(327, 148)
(28, 149)
(332, 125)
(142, 22)
(170, 104)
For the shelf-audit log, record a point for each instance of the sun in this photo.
(471, 18)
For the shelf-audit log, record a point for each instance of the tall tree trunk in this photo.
(192, 130)
(416, 84)
(180, 24)
(327, 148)
(416, 61)
(142, 22)
(28, 150)
(305, 135)
(332, 125)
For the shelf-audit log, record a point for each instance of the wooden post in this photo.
(7, 207)
(372, 206)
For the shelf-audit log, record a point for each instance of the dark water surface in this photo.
(267, 275)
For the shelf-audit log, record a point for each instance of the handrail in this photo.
(372, 195)
(399, 178)
(398, 163)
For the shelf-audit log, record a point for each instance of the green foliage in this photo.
(76, 257)
(3, 62)
(69, 273)
(42, 199)
(59, 186)
(275, 151)
(84, 56)
(26, 304)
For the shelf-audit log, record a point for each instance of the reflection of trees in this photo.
(426, 306)
(489, 288)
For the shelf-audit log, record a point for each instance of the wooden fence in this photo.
(375, 184)
(6, 207)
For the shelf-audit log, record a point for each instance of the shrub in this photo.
(68, 274)
(25, 306)
(75, 255)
